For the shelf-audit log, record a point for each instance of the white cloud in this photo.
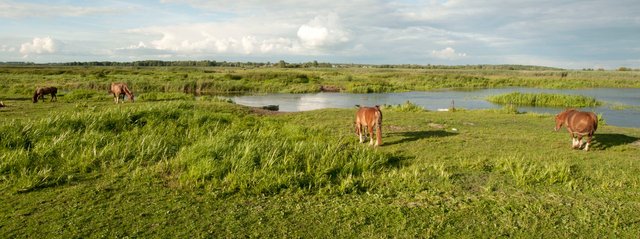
(323, 31)
(38, 46)
(140, 45)
(447, 53)
(248, 36)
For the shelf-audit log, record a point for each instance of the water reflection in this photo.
(433, 100)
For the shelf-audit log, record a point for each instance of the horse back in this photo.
(117, 88)
(583, 122)
(369, 116)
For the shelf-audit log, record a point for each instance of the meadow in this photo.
(174, 165)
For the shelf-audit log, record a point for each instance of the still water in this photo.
(621, 106)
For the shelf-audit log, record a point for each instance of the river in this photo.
(621, 105)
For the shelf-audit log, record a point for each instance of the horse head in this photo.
(559, 120)
(36, 94)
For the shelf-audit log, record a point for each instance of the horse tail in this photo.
(379, 125)
(379, 118)
(595, 121)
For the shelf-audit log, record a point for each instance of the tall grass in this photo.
(190, 145)
(544, 99)
(210, 168)
(408, 106)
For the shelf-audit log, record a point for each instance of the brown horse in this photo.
(41, 91)
(118, 89)
(370, 117)
(579, 124)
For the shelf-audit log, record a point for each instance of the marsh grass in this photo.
(408, 106)
(544, 99)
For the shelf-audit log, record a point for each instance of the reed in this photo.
(544, 99)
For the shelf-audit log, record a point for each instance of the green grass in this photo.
(209, 168)
(175, 165)
(544, 99)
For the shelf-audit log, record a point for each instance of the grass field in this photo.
(207, 168)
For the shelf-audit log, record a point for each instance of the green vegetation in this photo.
(544, 99)
(209, 168)
(406, 107)
(175, 165)
(21, 81)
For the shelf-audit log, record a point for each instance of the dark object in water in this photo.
(271, 107)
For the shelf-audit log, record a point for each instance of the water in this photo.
(475, 99)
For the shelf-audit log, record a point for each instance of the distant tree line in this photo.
(283, 64)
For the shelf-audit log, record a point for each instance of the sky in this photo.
(568, 34)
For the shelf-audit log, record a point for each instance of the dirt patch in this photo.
(636, 143)
(261, 111)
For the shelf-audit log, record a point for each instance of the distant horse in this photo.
(370, 117)
(118, 89)
(579, 124)
(41, 91)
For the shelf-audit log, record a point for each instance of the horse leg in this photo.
(378, 136)
(580, 143)
(359, 131)
(586, 148)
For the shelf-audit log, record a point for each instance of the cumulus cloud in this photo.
(447, 53)
(323, 31)
(38, 46)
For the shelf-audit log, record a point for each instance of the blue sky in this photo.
(558, 33)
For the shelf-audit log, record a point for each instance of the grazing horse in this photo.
(579, 124)
(370, 117)
(118, 89)
(41, 91)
